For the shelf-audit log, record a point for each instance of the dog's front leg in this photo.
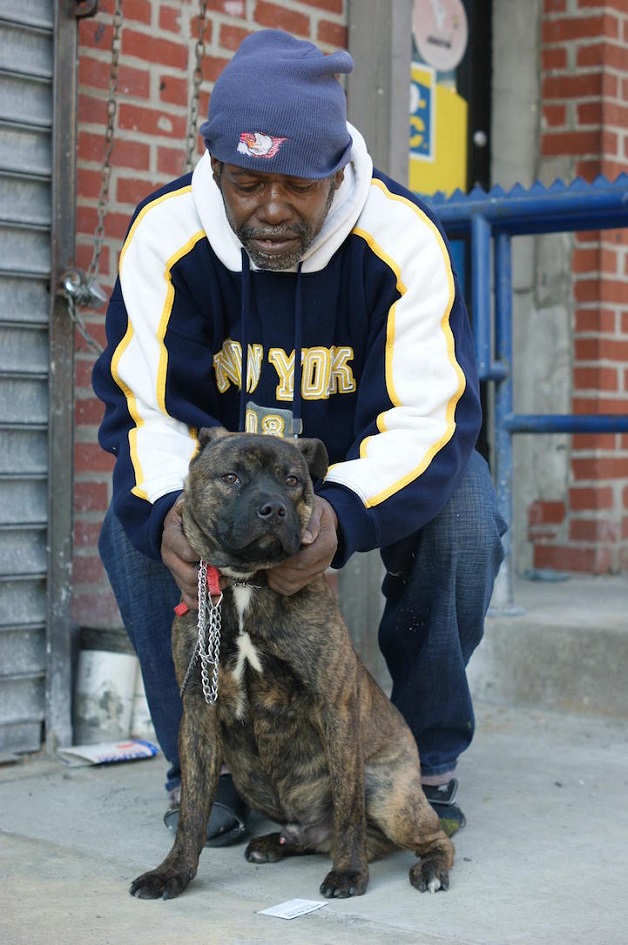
(341, 739)
(200, 752)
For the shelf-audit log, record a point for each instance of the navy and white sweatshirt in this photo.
(388, 378)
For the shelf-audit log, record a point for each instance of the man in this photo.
(284, 239)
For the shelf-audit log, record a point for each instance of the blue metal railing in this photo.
(481, 218)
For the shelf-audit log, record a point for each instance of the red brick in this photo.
(88, 570)
(93, 73)
(152, 121)
(593, 442)
(614, 291)
(91, 496)
(595, 319)
(591, 498)
(593, 530)
(149, 48)
(138, 11)
(585, 85)
(568, 29)
(91, 111)
(603, 468)
(135, 82)
(598, 405)
(546, 513)
(590, 113)
(231, 36)
(555, 115)
(570, 143)
(585, 260)
(174, 91)
(554, 6)
(170, 19)
(553, 58)
(89, 457)
(86, 533)
(333, 34)
(588, 169)
(88, 411)
(273, 15)
(590, 56)
(565, 558)
(212, 67)
(331, 6)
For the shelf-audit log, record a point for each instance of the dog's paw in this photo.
(266, 849)
(160, 884)
(429, 876)
(342, 884)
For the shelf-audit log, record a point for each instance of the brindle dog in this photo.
(312, 742)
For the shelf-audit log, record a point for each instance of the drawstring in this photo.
(244, 345)
(297, 425)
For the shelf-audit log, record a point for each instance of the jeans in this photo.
(437, 588)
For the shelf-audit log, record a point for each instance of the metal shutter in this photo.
(26, 108)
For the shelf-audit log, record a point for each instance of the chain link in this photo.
(105, 175)
(209, 626)
(199, 52)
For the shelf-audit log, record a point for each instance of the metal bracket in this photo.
(85, 8)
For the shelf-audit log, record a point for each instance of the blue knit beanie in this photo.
(278, 108)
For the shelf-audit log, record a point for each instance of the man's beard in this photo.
(305, 233)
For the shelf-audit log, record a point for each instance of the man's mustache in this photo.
(277, 233)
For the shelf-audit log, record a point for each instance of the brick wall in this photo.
(584, 68)
(155, 76)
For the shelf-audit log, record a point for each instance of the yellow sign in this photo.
(438, 134)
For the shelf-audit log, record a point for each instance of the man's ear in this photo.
(216, 169)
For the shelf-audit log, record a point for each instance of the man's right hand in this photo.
(178, 556)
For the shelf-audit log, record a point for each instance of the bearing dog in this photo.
(312, 741)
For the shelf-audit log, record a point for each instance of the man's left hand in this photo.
(318, 548)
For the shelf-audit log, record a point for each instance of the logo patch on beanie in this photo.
(257, 144)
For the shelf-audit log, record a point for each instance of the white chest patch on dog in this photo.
(247, 652)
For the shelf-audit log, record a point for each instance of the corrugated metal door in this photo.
(26, 108)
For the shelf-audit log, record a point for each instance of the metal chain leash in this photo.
(199, 52)
(209, 626)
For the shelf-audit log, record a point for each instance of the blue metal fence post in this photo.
(503, 596)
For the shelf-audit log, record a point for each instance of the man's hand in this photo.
(177, 555)
(316, 554)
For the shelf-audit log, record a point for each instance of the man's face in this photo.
(276, 218)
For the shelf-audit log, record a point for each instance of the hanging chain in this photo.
(105, 174)
(199, 52)
(209, 625)
(81, 289)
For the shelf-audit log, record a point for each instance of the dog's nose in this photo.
(271, 509)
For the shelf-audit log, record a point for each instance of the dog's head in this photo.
(248, 498)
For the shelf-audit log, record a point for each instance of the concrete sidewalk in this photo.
(543, 860)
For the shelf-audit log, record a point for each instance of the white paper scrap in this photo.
(293, 908)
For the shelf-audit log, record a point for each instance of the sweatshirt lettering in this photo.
(325, 371)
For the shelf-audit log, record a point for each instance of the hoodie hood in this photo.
(348, 202)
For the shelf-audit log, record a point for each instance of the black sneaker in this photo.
(441, 799)
(227, 820)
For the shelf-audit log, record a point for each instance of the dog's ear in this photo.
(209, 434)
(315, 455)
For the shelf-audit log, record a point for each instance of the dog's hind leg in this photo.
(403, 815)
(292, 840)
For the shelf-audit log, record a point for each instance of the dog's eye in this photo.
(292, 480)
(230, 478)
